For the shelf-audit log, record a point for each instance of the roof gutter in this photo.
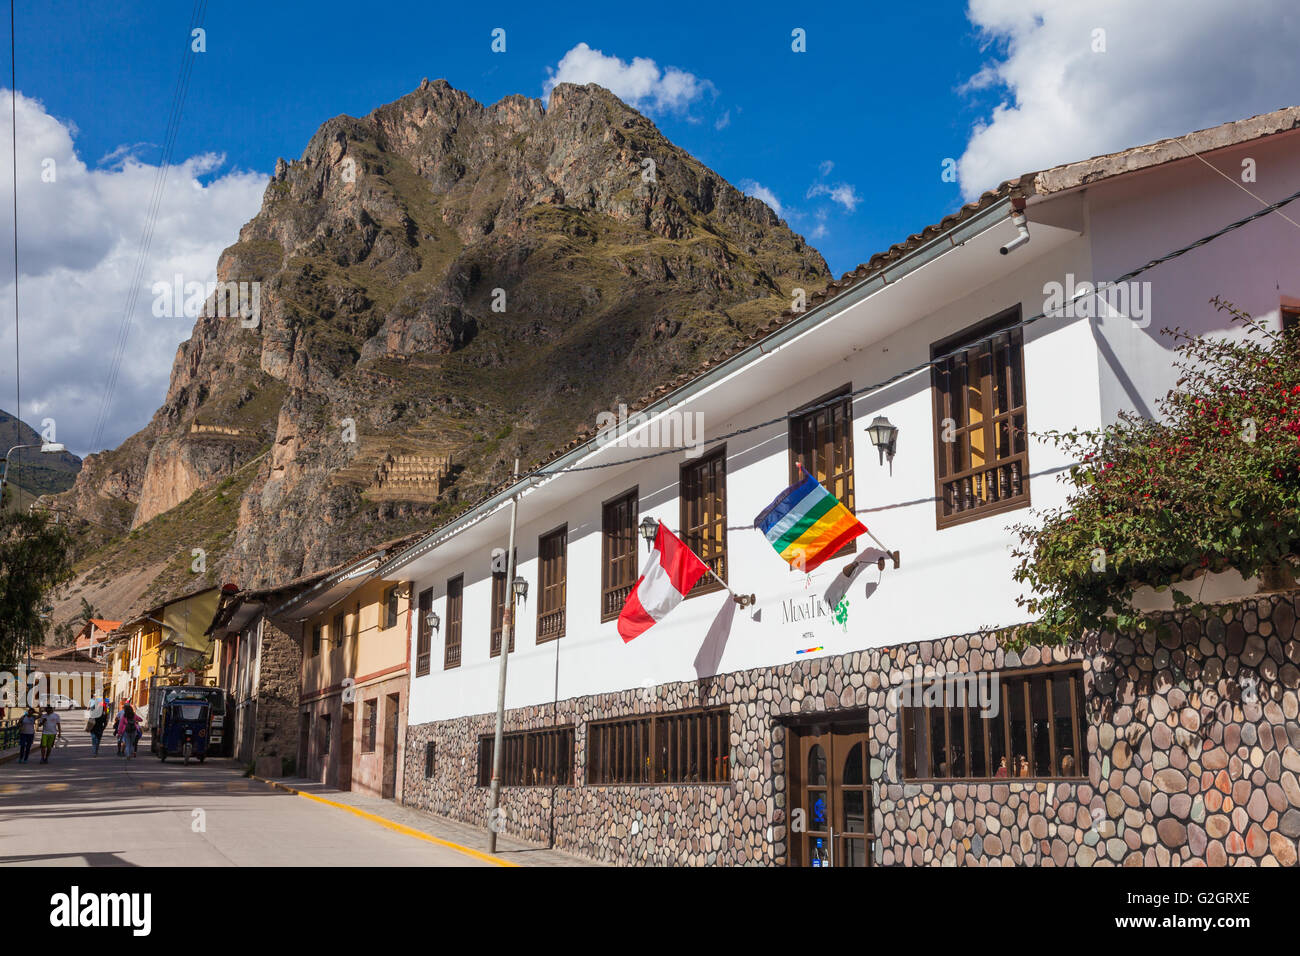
(357, 569)
(920, 257)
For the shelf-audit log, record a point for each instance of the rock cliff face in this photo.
(440, 280)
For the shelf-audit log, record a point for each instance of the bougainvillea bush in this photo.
(1213, 483)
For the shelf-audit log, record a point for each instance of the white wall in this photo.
(1139, 218)
(951, 581)
(1079, 373)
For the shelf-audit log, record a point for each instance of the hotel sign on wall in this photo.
(808, 623)
(819, 613)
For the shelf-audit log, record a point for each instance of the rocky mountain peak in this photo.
(441, 285)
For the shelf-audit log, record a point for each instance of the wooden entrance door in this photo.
(831, 786)
(393, 708)
(304, 743)
(346, 733)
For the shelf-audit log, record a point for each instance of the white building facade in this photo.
(768, 733)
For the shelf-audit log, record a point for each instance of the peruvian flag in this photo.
(669, 573)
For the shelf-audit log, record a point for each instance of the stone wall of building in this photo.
(1192, 742)
(275, 738)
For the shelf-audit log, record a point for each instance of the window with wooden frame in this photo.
(336, 630)
(618, 557)
(315, 640)
(429, 753)
(423, 633)
(529, 758)
(455, 611)
(821, 440)
(552, 584)
(1290, 317)
(704, 516)
(981, 438)
(684, 747)
(390, 607)
(369, 720)
(500, 588)
(1037, 729)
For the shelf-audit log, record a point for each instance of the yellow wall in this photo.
(190, 618)
(367, 647)
(150, 637)
(185, 621)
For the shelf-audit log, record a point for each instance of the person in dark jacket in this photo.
(26, 735)
(97, 727)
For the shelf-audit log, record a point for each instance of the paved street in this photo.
(107, 811)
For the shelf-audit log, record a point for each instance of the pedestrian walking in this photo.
(51, 731)
(26, 734)
(117, 722)
(97, 727)
(128, 730)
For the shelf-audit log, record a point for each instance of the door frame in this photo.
(392, 730)
(347, 735)
(837, 735)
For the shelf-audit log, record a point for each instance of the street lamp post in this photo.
(47, 448)
(507, 633)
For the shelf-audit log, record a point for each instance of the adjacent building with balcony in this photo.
(166, 644)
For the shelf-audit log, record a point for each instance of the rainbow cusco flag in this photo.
(807, 524)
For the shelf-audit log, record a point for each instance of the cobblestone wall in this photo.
(280, 662)
(1181, 770)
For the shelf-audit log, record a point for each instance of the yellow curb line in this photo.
(384, 822)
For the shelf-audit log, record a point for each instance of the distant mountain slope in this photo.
(457, 283)
(34, 472)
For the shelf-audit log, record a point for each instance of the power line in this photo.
(13, 124)
(146, 238)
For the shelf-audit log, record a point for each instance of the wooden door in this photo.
(389, 788)
(830, 784)
(346, 732)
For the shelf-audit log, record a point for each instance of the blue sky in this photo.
(847, 141)
(875, 94)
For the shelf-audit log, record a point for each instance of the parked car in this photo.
(58, 702)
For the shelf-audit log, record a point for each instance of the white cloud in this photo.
(78, 239)
(723, 121)
(826, 167)
(759, 191)
(1169, 67)
(841, 193)
(641, 83)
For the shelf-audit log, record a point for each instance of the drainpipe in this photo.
(1022, 227)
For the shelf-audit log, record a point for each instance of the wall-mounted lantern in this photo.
(649, 531)
(884, 435)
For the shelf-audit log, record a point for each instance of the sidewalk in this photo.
(471, 838)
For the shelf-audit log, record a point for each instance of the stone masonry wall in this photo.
(276, 695)
(1192, 742)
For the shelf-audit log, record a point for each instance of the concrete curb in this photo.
(384, 822)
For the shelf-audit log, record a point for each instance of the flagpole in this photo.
(884, 547)
(507, 637)
(744, 600)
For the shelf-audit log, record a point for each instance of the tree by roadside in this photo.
(33, 558)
